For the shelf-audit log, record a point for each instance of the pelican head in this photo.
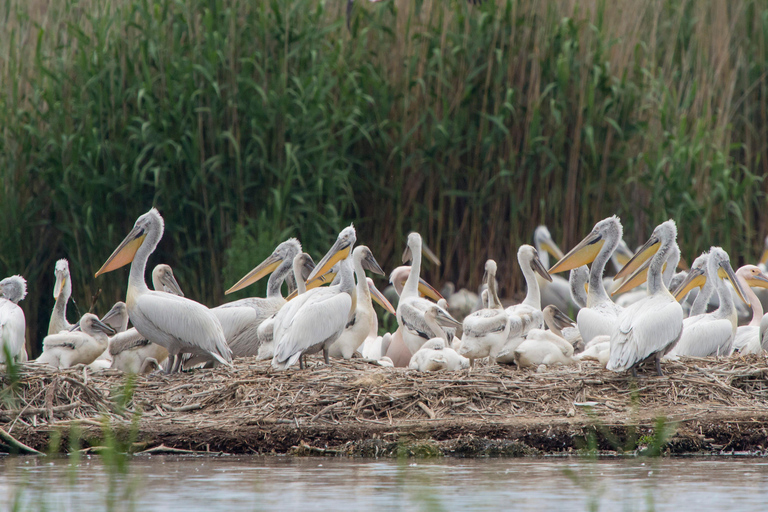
(543, 242)
(285, 251)
(696, 277)
(490, 270)
(379, 297)
(663, 235)
(306, 265)
(527, 255)
(117, 317)
(13, 288)
(587, 250)
(720, 265)
(554, 317)
(164, 281)
(441, 316)
(398, 277)
(752, 276)
(148, 225)
(339, 251)
(365, 256)
(90, 324)
(414, 245)
(63, 282)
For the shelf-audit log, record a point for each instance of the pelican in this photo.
(577, 280)
(312, 321)
(411, 307)
(599, 352)
(434, 354)
(543, 347)
(117, 319)
(62, 291)
(376, 348)
(557, 291)
(601, 313)
(527, 315)
(240, 319)
(179, 324)
(486, 331)
(711, 334)
(13, 325)
(667, 274)
(66, 349)
(651, 327)
(748, 339)
(460, 303)
(561, 325)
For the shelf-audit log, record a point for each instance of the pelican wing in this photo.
(646, 327)
(263, 308)
(523, 318)
(411, 313)
(12, 328)
(707, 336)
(599, 320)
(747, 337)
(485, 321)
(70, 340)
(318, 320)
(126, 340)
(189, 322)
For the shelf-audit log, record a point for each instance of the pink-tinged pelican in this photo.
(651, 327)
(711, 334)
(312, 321)
(83, 346)
(600, 315)
(62, 291)
(748, 339)
(13, 325)
(179, 324)
(411, 307)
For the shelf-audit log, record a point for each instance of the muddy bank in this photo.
(355, 408)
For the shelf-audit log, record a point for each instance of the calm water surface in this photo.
(162, 483)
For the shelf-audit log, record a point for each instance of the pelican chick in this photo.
(13, 325)
(600, 352)
(66, 349)
(435, 356)
(62, 291)
(179, 324)
(543, 347)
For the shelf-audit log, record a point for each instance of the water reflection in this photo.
(160, 483)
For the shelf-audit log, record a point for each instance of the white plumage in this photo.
(66, 349)
(486, 331)
(12, 322)
(62, 291)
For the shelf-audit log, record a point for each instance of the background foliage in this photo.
(247, 122)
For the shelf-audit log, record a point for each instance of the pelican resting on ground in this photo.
(13, 325)
(411, 307)
(748, 339)
(376, 348)
(543, 347)
(434, 354)
(651, 327)
(486, 331)
(62, 291)
(600, 314)
(179, 324)
(117, 319)
(527, 315)
(66, 349)
(557, 291)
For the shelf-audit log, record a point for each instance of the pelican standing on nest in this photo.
(411, 307)
(748, 339)
(601, 313)
(13, 325)
(651, 327)
(556, 292)
(711, 334)
(179, 324)
(66, 349)
(62, 291)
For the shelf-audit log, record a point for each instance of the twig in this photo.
(18, 444)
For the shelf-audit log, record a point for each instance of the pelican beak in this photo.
(380, 299)
(650, 248)
(75, 328)
(112, 313)
(759, 281)
(428, 291)
(764, 257)
(446, 320)
(370, 263)
(308, 267)
(551, 247)
(431, 256)
(125, 252)
(562, 320)
(264, 268)
(585, 252)
(171, 285)
(407, 254)
(623, 254)
(338, 252)
(101, 326)
(694, 279)
(59, 286)
(636, 279)
(539, 268)
(726, 271)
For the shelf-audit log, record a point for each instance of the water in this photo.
(161, 483)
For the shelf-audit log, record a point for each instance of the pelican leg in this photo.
(634, 372)
(325, 355)
(177, 363)
(301, 362)
(658, 364)
(170, 363)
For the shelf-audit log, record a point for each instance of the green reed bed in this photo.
(247, 122)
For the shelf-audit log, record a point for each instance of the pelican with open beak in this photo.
(177, 323)
(599, 316)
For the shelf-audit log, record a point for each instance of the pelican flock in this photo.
(328, 308)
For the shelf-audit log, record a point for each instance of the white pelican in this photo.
(411, 307)
(599, 352)
(527, 315)
(117, 319)
(748, 339)
(240, 319)
(66, 349)
(311, 322)
(179, 324)
(434, 354)
(543, 347)
(13, 325)
(648, 328)
(376, 348)
(486, 331)
(711, 334)
(667, 274)
(578, 281)
(62, 291)
(556, 292)
(599, 317)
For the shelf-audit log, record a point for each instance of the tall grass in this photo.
(248, 122)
